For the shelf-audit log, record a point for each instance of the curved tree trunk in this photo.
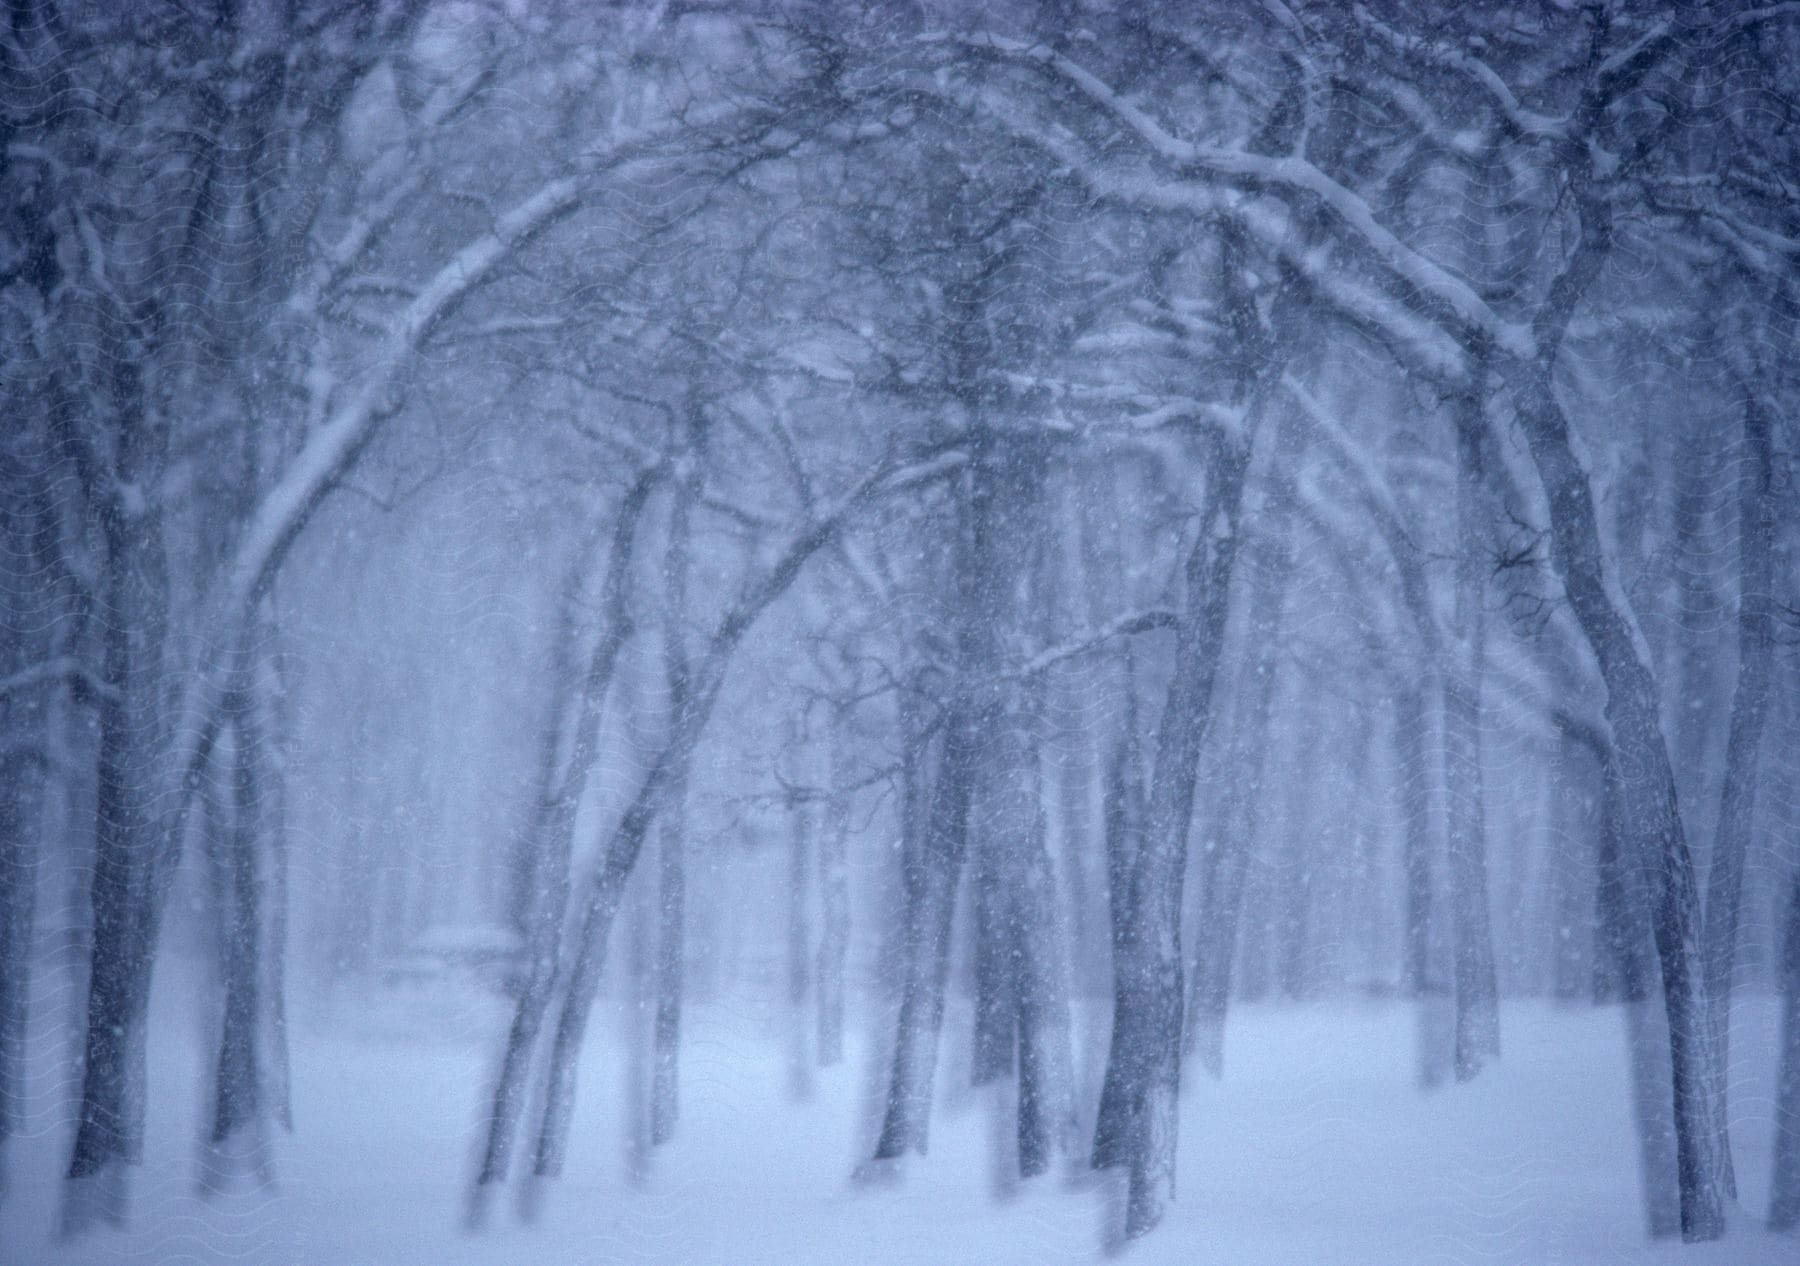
(1749, 712)
(1136, 1127)
(541, 886)
(1651, 811)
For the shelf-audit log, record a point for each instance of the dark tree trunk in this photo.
(27, 553)
(604, 892)
(1423, 974)
(799, 942)
(1784, 1186)
(671, 885)
(1136, 1127)
(1018, 990)
(1626, 946)
(131, 858)
(1477, 991)
(1291, 925)
(671, 943)
(565, 763)
(1410, 741)
(240, 1091)
(1045, 1112)
(1689, 669)
(995, 954)
(1236, 816)
(19, 784)
(1012, 901)
(928, 880)
(1650, 805)
(1226, 868)
(641, 929)
(834, 916)
(1569, 799)
(1749, 712)
(598, 903)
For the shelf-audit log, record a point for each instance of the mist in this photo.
(775, 632)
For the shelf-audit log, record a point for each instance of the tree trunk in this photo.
(1136, 1127)
(671, 943)
(671, 930)
(27, 551)
(238, 1136)
(1650, 805)
(996, 946)
(1012, 901)
(1419, 974)
(1045, 1111)
(1784, 1187)
(1694, 686)
(642, 928)
(19, 796)
(834, 913)
(129, 854)
(1235, 826)
(1477, 991)
(604, 891)
(601, 892)
(1626, 946)
(1749, 711)
(799, 943)
(928, 880)
(565, 764)
(1235, 817)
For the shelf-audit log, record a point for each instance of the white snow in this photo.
(1315, 1148)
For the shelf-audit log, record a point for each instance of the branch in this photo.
(333, 449)
(1291, 176)
(1092, 639)
(58, 669)
(1526, 124)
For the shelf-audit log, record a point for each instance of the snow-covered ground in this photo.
(1316, 1148)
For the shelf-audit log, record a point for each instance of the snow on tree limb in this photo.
(335, 446)
(1290, 176)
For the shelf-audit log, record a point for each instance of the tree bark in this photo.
(1235, 826)
(928, 880)
(238, 1134)
(1420, 976)
(801, 813)
(598, 902)
(1749, 712)
(28, 720)
(1784, 1186)
(1626, 947)
(129, 855)
(834, 913)
(1477, 991)
(1136, 1127)
(565, 764)
(671, 884)
(671, 944)
(1650, 806)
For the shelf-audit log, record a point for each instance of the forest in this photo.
(766, 630)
